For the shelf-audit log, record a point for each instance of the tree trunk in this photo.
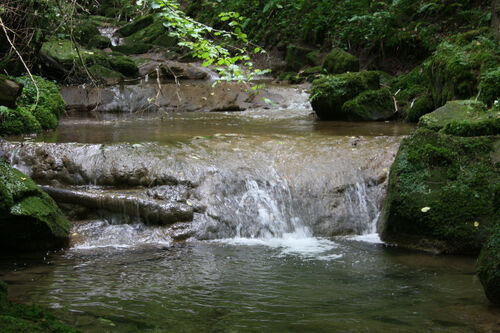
(9, 92)
(495, 18)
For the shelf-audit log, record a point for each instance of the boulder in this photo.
(136, 25)
(463, 118)
(29, 218)
(9, 91)
(370, 105)
(442, 193)
(339, 61)
(329, 93)
(297, 57)
(99, 42)
(105, 75)
(488, 266)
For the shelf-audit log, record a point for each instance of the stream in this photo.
(262, 220)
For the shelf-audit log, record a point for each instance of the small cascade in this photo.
(110, 32)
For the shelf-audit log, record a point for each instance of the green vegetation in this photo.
(370, 105)
(329, 93)
(488, 266)
(31, 116)
(441, 193)
(338, 61)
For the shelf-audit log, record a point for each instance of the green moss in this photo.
(27, 319)
(313, 58)
(451, 74)
(296, 57)
(329, 93)
(455, 179)
(85, 31)
(124, 65)
(370, 105)
(489, 86)
(31, 116)
(105, 74)
(418, 107)
(135, 48)
(339, 61)
(488, 266)
(29, 218)
(136, 25)
(463, 118)
(155, 34)
(99, 42)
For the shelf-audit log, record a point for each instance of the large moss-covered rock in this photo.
(136, 25)
(329, 93)
(339, 61)
(27, 319)
(85, 31)
(155, 33)
(99, 42)
(105, 75)
(132, 48)
(488, 265)
(370, 105)
(463, 118)
(441, 193)
(29, 218)
(65, 53)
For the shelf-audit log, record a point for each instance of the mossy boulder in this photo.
(488, 266)
(27, 318)
(155, 34)
(136, 25)
(463, 118)
(370, 105)
(296, 57)
(442, 194)
(65, 53)
(105, 75)
(339, 61)
(133, 48)
(31, 116)
(29, 218)
(329, 93)
(85, 31)
(313, 58)
(99, 42)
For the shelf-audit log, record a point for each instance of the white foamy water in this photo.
(373, 238)
(101, 234)
(298, 243)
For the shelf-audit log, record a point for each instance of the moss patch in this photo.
(439, 187)
(29, 218)
(370, 105)
(136, 25)
(488, 265)
(463, 118)
(339, 61)
(329, 93)
(30, 116)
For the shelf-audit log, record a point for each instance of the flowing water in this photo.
(273, 228)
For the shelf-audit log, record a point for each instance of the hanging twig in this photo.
(22, 61)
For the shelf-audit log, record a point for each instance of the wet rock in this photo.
(136, 25)
(171, 97)
(29, 218)
(130, 203)
(370, 105)
(9, 92)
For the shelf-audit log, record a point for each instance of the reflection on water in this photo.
(276, 286)
(174, 127)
